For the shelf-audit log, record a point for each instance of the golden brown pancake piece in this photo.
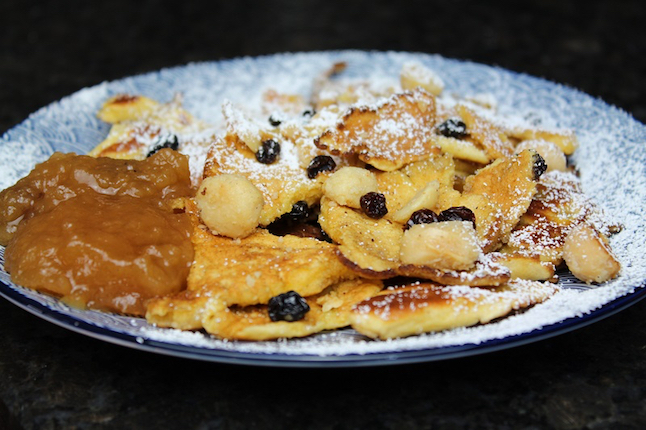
(137, 121)
(248, 271)
(282, 183)
(371, 248)
(535, 246)
(499, 195)
(330, 309)
(387, 136)
(426, 307)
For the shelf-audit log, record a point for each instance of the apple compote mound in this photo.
(100, 233)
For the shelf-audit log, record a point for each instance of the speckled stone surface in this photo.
(50, 378)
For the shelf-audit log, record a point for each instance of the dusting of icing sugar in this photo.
(610, 158)
(195, 147)
(419, 296)
(486, 266)
(358, 91)
(377, 131)
(418, 73)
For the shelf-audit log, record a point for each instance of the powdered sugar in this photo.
(610, 159)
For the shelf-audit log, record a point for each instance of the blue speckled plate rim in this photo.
(309, 360)
(305, 360)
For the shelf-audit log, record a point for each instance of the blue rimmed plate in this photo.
(611, 161)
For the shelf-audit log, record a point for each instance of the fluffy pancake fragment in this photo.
(426, 307)
(372, 248)
(281, 183)
(141, 125)
(248, 271)
(535, 245)
(566, 140)
(330, 309)
(138, 121)
(499, 195)
(401, 186)
(394, 133)
(490, 137)
(487, 271)
(262, 266)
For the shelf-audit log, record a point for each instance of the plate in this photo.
(611, 161)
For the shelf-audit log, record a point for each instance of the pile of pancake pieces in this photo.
(387, 276)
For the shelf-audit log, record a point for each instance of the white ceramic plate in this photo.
(611, 160)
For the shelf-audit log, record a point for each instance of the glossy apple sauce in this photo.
(99, 233)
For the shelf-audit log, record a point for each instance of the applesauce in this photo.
(98, 232)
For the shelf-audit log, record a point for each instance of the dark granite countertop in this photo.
(51, 378)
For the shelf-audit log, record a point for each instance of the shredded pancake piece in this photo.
(394, 133)
(424, 307)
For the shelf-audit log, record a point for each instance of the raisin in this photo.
(164, 141)
(300, 211)
(422, 216)
(458, 213)
(289, 306)
(300, 221)
(374, 204)
(268, 151)
(309, 112)
(274, 121)
(453, 127)
(320, 163)
(299, 230)
(540, 166)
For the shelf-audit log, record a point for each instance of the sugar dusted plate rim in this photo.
(70, 125)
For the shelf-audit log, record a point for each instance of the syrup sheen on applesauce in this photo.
(98, 232)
